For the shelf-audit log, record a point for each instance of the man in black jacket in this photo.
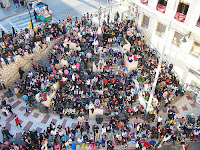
(21, 72)
(3, 102)
(6, 133)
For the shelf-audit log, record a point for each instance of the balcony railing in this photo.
(145, 2)
(180, 17)
(161, 8)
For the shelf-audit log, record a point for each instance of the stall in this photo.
(42, 12)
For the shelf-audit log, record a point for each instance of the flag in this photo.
(145, 2)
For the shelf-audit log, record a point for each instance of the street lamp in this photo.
(30, 18)
(184, 37)
(99, 13)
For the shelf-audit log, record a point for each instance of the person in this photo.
(22, 2)
(110, 146)
(27, 108)
(135, 122)
(73, 144)
(4, 111)
(1, 4)
(6, 3)
(96, 43)
(7, 133)
(2, 33)
(17, 121)
(3, 102)
(21, 72)
(9, 108)
(10, 92)
(35, 15)
(57, 146)
(69, 16)
(16, 3)
(13, 32)
(108, 18)
(159, 121)
(91, 18)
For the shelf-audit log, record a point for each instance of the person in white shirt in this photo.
(89, 56)
(5, 111)
(96, 43)
(53, 132)
(159, 121)
(48, 40)
(103, 130)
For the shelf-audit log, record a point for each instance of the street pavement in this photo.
(11, 10)
(20, 21)
(60, 10)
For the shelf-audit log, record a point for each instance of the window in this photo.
(163, 2)
(145, 2)
(177, 39)
(195, 49)
(160, 30)
(183, 8)
(198, 22)
(161, 6)
(145, 21)
(181, 12)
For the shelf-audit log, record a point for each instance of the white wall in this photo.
(179, 56)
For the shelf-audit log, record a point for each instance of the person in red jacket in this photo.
(17, 121)
(105, 81)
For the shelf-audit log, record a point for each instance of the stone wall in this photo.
(9, 73)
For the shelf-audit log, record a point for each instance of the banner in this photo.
(145, 2)
(180, 17)
(161, 8)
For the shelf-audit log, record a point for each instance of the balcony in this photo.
(161, 8)
(145, 2)
(180, 17)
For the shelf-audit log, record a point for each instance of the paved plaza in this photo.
(36, 119)
(40, 121)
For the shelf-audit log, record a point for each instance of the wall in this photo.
(179, 56)
(10, 74)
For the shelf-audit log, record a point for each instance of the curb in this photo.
(14, 14)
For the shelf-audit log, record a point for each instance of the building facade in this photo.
(173, 28)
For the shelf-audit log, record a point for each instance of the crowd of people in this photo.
(18, 3)
(82, 89)
(19, 42)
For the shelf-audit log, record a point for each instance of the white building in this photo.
(167, 23)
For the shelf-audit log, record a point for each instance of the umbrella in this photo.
(147, 144)
(152, 142)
